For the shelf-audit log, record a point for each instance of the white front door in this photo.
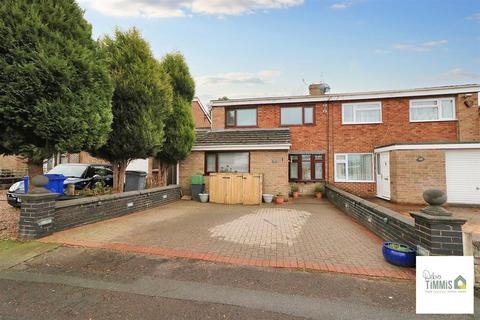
(383, 175)
(463, 176)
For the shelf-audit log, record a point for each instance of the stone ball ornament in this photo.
(435, 199)
(39, 182)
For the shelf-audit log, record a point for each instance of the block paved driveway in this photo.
(305, 234)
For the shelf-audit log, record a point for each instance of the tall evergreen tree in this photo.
(141, 101)
(180, 126)
(55, 88)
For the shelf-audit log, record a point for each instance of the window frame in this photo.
(216, 153)
(312, 167)
(346, 167)
(439, 106)
(236, 117)
(360, 104)
(303, 116)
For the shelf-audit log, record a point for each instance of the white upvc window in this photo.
(354, 167)
(422, 110)
(362, 113)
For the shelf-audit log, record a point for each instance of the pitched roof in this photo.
(416, 92)
(242, 139)
(204, 109)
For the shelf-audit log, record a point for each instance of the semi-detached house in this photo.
(390, 144)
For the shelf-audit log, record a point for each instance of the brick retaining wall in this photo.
(387, 224)
(43, 216)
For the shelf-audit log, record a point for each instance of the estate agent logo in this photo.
(445, 285)
(437, 282)
(460, 283)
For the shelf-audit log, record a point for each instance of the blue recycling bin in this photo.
(55, 183)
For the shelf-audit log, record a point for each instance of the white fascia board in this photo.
(232, 147)
(348, 97)
(440, 146)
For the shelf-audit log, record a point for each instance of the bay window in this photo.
(354, 167)
(432, 110)
(361, 113)
(291, 116)
(306, 167)
(242, 117)
(224, 162)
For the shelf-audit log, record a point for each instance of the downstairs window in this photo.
(306, 167)
(354, 167)
(224, 162)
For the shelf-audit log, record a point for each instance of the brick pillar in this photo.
(437, 231)
(37, 211)
(439, 235)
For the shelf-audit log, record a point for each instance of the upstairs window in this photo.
(306, 167)
(241, 117)
(291, 116)
(432, 110)
(362, 113)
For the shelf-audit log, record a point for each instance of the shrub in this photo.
(319, 188)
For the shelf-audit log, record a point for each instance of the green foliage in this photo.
(55, 88)
(182, 82)
(399, 247)
(100, 188)
(141, 100)
(180, 126)
(294, 188)
(319, 188)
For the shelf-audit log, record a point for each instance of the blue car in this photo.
(79, 174)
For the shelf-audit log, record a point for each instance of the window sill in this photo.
(442, 120)
(298, 125)
(306, 181)
(355, 181)
(360, 123)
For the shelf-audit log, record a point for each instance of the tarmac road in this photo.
(76, 283)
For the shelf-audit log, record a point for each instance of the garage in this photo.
(463, 176)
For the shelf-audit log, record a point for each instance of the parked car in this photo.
(79, 174)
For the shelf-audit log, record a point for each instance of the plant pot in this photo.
(267, 198)
(399, 254)
(295, 194)
(318, 195)
(279, 199)
(203, 197)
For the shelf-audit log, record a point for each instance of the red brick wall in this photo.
(468, 117)
(201, 120)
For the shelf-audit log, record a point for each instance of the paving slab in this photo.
(15, 252)
(301, 234)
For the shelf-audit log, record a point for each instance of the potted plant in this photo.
(294, 189)
(399, 254)
(203, 197)
(319, 189)
(279, 199)
(267, 198)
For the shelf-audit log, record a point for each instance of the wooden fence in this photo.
(236, 188)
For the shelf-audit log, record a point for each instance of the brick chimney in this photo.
(318, 89)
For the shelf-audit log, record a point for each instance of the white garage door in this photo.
(463, 176)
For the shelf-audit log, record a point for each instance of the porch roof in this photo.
(242, 139)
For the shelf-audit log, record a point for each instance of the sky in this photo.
(255, 48)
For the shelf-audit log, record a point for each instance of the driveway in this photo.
(306, 234)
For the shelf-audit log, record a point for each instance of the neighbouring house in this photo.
(390, 144)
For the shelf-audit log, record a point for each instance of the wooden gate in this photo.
(235, 188)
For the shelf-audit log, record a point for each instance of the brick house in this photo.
(391, 144)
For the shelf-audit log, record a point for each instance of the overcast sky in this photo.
(248, 48)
